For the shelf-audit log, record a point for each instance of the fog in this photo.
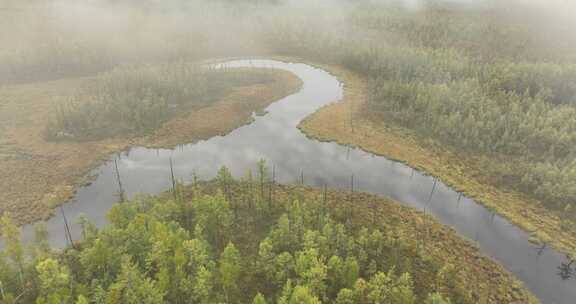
(134, 30)
(493, 80)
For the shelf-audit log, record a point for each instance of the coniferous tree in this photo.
(259, 299)
(229, 271)
(132, 287)
(54, 282)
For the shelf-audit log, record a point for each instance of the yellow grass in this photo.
(36, 174)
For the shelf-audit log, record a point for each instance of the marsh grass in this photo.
(137, 100)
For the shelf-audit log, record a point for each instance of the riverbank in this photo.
(38, 174)
(345, 123)
(259, 216)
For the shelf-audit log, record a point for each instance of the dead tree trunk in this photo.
(119, 180)
(67, 227)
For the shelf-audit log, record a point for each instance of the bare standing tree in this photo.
(119, 180)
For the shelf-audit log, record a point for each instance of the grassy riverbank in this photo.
(39, 172)
(347, 122)
(231, 240)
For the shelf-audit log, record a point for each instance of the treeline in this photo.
(42, 41)
(236, 241)
(138, 100)
(503, 108)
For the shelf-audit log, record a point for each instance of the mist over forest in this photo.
(76, 33)
(462, 111)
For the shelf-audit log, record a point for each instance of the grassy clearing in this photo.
(231, 240)
(38, 173)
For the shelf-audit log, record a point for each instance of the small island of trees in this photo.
(232, 240)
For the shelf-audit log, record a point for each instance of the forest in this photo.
(246, 240)
(493, 83)
(476, 81)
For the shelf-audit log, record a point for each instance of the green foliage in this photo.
(132, 287)
(82, 300)
(41, 239)
(436, 298)
(214, 215)
(12, 267)
(346, 296)
(387, 288)
(54, 282)
(302, 295)
(293, 252)
(530, 126)
(11, 234)
(230, 270)
(259, 299)
(553, 82)
(487, 114)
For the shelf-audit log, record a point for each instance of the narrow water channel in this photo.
(275, 138)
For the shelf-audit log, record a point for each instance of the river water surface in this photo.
(275, 138)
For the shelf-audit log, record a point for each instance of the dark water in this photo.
(275, 138)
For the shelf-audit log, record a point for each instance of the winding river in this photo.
(275, 138)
